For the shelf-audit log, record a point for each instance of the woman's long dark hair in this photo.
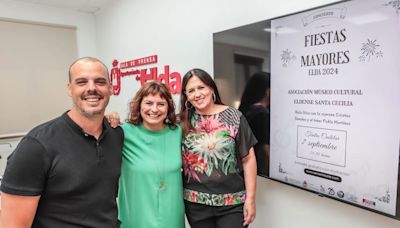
(186, 109)
(255, 90)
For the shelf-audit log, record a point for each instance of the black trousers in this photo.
(204, 216)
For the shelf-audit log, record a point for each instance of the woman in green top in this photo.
(150, 186)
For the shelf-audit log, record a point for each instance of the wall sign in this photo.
(139, 69)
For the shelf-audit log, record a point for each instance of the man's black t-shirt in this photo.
(75, 174)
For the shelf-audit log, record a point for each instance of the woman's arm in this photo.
(250, 176)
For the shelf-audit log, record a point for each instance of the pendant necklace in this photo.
(161, 166)
(158, 156)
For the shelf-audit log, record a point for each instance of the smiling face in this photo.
(153, 110)
(199, 94)
(89, 88)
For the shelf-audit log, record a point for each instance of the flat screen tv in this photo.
(334, 101)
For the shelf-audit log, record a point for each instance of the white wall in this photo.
(84, 22)
(283, 206)
(180, 32)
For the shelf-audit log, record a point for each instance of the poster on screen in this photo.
(335, 102)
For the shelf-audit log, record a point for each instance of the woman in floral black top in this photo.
(218, 158)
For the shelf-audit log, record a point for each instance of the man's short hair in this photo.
(87, 59)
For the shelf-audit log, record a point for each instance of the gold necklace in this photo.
(161, 173)
(160, 165)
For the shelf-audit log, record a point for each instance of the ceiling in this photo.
(87, 6)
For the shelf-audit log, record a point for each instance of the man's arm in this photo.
(17, 211)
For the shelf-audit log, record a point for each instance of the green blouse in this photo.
(150, 186)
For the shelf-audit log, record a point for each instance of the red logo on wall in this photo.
(171, 79)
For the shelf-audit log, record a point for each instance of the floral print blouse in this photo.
(212, 158)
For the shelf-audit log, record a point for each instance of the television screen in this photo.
(333, 103)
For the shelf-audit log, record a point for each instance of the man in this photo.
(64, 173)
